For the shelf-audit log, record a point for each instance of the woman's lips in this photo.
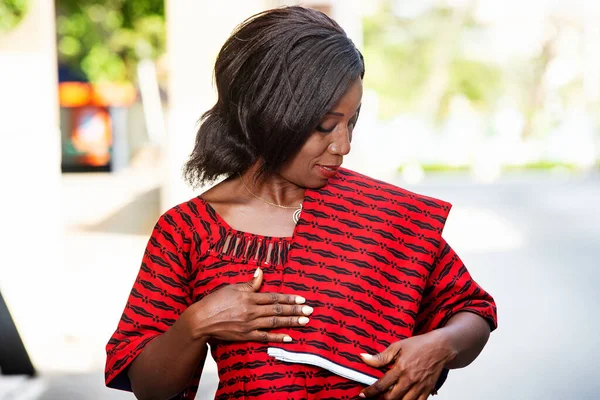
(328, 171)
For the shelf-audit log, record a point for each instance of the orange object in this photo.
(90, 140)
(92, 135)
(113, 94)
(74, 94)
(79, 94)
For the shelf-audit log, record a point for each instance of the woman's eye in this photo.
(324, 129)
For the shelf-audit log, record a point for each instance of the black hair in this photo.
(277, 75)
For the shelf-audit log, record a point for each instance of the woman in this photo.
(306, 279)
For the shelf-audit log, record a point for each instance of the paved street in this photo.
(547, 345)
(532, 242)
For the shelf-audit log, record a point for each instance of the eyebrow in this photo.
(339, 114)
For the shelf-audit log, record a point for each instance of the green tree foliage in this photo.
(11, 13)
(104, 40)
(402, 53)
(477, 81)
(397, 60)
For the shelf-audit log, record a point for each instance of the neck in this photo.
(273, 188)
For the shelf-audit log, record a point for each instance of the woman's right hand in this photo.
(238, 313)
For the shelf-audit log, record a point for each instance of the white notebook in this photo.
(318, 361)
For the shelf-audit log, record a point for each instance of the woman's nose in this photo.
(341, 145)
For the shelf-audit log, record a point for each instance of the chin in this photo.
(311, 180)
(316, 183)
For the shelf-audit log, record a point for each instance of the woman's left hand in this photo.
(418, 362)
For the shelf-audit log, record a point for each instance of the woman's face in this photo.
(323, 153)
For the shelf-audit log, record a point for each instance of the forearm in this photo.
(167, 364)
(466, 333)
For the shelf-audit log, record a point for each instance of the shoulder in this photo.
(387, 192)
(188, 217)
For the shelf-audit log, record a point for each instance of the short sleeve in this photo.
(158, 297)
(450, 289)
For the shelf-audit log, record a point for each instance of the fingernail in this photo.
(362, 395)
(367, 356)
(300, 300)
(307, 310)
(303, 320)
(256, 272)
(287, 339)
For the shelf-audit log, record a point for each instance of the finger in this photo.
(413, 394)
(382, 385)
(384, 358)
(254, 284)
(262, 336)
(283, 310)
(279, 322)
(423, 396)
(401, 389)
(273, 298)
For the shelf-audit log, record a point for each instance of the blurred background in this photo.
(493, 106)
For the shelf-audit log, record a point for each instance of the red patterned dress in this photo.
(367, 256)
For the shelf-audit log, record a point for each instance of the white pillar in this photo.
(31, 233)
(196, 30)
